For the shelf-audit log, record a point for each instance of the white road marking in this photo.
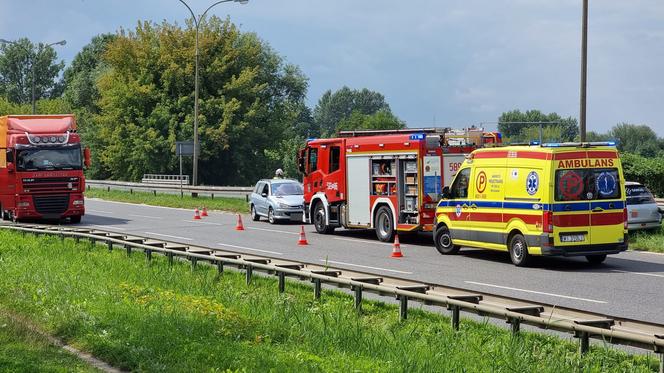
(168, 235)
(146, 216)
(108, 227)
(638, 273)
(365, 241)
(272, 230)
(250, 248)
(362, 266)
(202, 222)
(536, 292)
(98, 211)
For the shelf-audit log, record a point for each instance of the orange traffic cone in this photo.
(197, 215)
(396, 248)
(204, 213)
(303, 239)
(239, 226)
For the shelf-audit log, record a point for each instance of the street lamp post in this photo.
(584, 72)
(40, 49)
(197, 23)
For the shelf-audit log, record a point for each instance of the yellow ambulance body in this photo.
(551, 199)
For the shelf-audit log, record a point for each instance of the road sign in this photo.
(184, 148)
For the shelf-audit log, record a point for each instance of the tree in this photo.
(637, 139)
(16, 71)
(512, 124)
(333, 108)
(381, 120)
(249, 101)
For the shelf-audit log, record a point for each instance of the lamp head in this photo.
(242, 1)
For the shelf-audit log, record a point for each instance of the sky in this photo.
(445, 63)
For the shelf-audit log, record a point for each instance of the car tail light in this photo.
(625, 218)
(547, 222)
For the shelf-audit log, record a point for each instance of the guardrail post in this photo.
(584, 342)
(317, 288)
(110, 245)
(516, 325)
(154, 192)
(220, 267)
(212, 195)
(128, 248)
(661, 362)
(246, 198)
(455, 317)
(148, 255)
(131, 190)
(403, 307)
(358, 298)
(250, 271)
(108, 189)
(170, 259)
(282, 282)
(194, 262)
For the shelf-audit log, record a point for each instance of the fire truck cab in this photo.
(390, 181)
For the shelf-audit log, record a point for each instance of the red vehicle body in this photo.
(41, 168)
(389, 181)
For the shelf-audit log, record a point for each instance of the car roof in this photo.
(269, 181)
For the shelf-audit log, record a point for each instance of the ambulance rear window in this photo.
(587, 184)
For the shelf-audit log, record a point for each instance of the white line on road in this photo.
(356, 240)
(98, 211)
(168, 235)
(536, 292)
(202, 222)
(638, 273)
(250, 248)
(369, 267)
(271, 230)
(146, 216)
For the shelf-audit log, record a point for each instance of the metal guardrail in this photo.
(165, 179)
(584, 325)
(225, 191)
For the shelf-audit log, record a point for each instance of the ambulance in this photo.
(561, 199)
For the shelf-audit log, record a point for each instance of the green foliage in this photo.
(381, 120)
(646, 170)
(517, 126)
(17, 62)
(44, 106)
(637, 139)
(652, 240)
(171, 200)
(149, 317)
(334, 108)
(551, 133)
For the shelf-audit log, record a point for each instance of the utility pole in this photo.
(584, 72)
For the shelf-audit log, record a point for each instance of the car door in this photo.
(460, 217)
(263, 198)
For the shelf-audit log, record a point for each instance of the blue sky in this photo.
(458, 62)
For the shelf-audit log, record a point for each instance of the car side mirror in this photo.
(264, 195)
(11, 167)
(446, 192)
(87, 159)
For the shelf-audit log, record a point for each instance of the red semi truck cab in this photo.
(390, 181)
(41, 168)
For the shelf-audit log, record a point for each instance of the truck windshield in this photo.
(587, 184)
(68, 158)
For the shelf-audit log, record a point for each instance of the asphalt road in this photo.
(627, 285)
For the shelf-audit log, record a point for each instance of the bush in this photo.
(647, 171)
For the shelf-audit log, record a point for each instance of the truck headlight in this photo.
(79, 202)
(23, 204)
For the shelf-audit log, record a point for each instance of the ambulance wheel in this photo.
(519, 251)
(254, 214)
(596, 259)
(319, 220)
(384, 224)
(443, 242)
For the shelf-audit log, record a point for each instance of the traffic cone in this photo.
(239, 226)
(396, 248)
(197, 215)
(303, 239)
(204, 213)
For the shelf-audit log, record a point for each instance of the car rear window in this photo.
(638, 195)
(587, 184)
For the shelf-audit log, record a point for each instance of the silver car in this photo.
(642, 210)
(277, 199)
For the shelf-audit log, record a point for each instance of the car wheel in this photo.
(443, 241)
(384, 224)
(254, 214)
(270, 216)
(519, 251)
(319, 220)
(596, 259)
(75, 219)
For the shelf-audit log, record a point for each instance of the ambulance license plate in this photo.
(572, 237)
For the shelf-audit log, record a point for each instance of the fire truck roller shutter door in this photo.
(358, 180)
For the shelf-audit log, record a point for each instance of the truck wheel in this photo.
(519, 251)
(443, 241)
(319, 220)
(75, 219)
(254, 214)
(384, 224)
(596, 259)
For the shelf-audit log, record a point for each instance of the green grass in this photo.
(171, 200)
(24, 350)
(140, 316)
(652, 240)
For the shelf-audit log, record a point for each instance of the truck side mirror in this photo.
(87, 160)
(446, 192)
(11, 167)
(300, 162)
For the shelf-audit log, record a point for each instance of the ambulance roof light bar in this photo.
(575, 144)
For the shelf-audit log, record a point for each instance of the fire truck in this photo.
(41, 168)
(390, 181)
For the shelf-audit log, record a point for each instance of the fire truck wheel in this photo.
(384, 224)
(519, 251)
(596, 259)
(254, 214)
(443, 241)
(75, 219)
(319, 220)
(270, 216)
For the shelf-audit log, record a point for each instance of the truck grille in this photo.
(50, 184)
(51, 204)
